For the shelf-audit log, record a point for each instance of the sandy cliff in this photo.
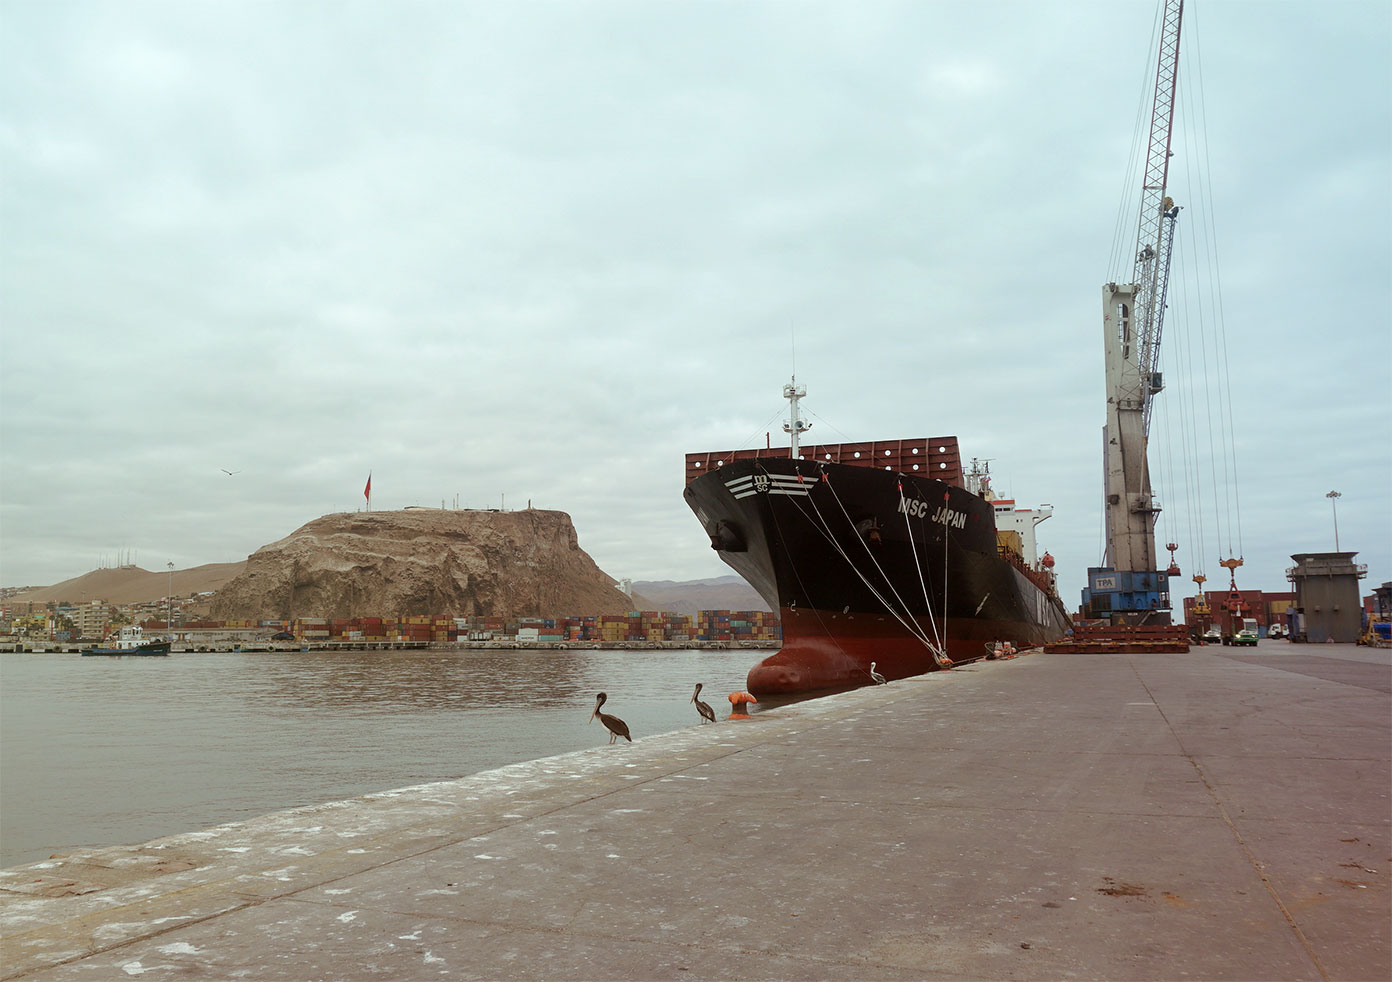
(423, 561)
(131, 584)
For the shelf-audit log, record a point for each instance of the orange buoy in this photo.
(738, 700)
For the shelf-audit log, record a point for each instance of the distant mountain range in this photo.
(689, 596)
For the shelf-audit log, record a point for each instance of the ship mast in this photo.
(795, 424)
(1132, 318)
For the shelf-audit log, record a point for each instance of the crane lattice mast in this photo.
(1132, 318)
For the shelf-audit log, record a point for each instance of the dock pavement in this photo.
(1221, 814)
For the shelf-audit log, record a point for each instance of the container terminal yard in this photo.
(1207, 814)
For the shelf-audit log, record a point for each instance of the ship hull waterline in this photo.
(153, 649)
(867, 565)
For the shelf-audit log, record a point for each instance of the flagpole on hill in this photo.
(367, 491)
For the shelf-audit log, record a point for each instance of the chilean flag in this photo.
(367, 491)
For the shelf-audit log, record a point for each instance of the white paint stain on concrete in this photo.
(348, 916)
(179, 948)
(118, 930)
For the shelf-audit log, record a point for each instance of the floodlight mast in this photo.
(1133, 314)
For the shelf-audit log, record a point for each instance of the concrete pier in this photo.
(1216, 815)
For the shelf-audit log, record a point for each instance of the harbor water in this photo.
(109, 751)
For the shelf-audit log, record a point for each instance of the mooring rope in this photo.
(912, 624)
(913, 548)
(909, 625)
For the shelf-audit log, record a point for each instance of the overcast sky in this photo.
(543, 250)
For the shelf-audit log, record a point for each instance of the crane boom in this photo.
(1150, 299)
(1132, 319)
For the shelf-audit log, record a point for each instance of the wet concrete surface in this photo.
(1204, 815)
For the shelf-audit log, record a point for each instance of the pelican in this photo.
(879, 679)
(616, 727)
(707, 714)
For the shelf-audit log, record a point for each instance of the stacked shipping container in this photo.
(737, 625)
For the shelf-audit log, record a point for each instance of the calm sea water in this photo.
(111, 751)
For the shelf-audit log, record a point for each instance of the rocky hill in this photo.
(423, 561)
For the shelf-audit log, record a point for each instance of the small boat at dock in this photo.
(130, 641)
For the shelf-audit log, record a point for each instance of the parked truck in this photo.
(1239, 630)
(1247, 633)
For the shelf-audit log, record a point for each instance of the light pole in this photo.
(171, 602)
(1334, 497)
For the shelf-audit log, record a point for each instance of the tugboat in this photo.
(882, 551)
(130, 641)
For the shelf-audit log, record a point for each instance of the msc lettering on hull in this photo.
(945, 515)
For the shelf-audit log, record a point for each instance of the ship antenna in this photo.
(795, 424)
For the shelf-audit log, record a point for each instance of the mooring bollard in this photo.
(738, 700)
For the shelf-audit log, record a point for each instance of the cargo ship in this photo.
(883, 552)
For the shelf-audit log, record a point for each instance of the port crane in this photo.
(1131, 588)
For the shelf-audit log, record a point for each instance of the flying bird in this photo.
(707, 714)
(227, 472)
(616, 727)
(879, 679)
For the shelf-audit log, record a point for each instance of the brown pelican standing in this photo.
(616, 727)
(707, 714)
(878, 678)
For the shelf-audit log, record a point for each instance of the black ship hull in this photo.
(869, 565)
